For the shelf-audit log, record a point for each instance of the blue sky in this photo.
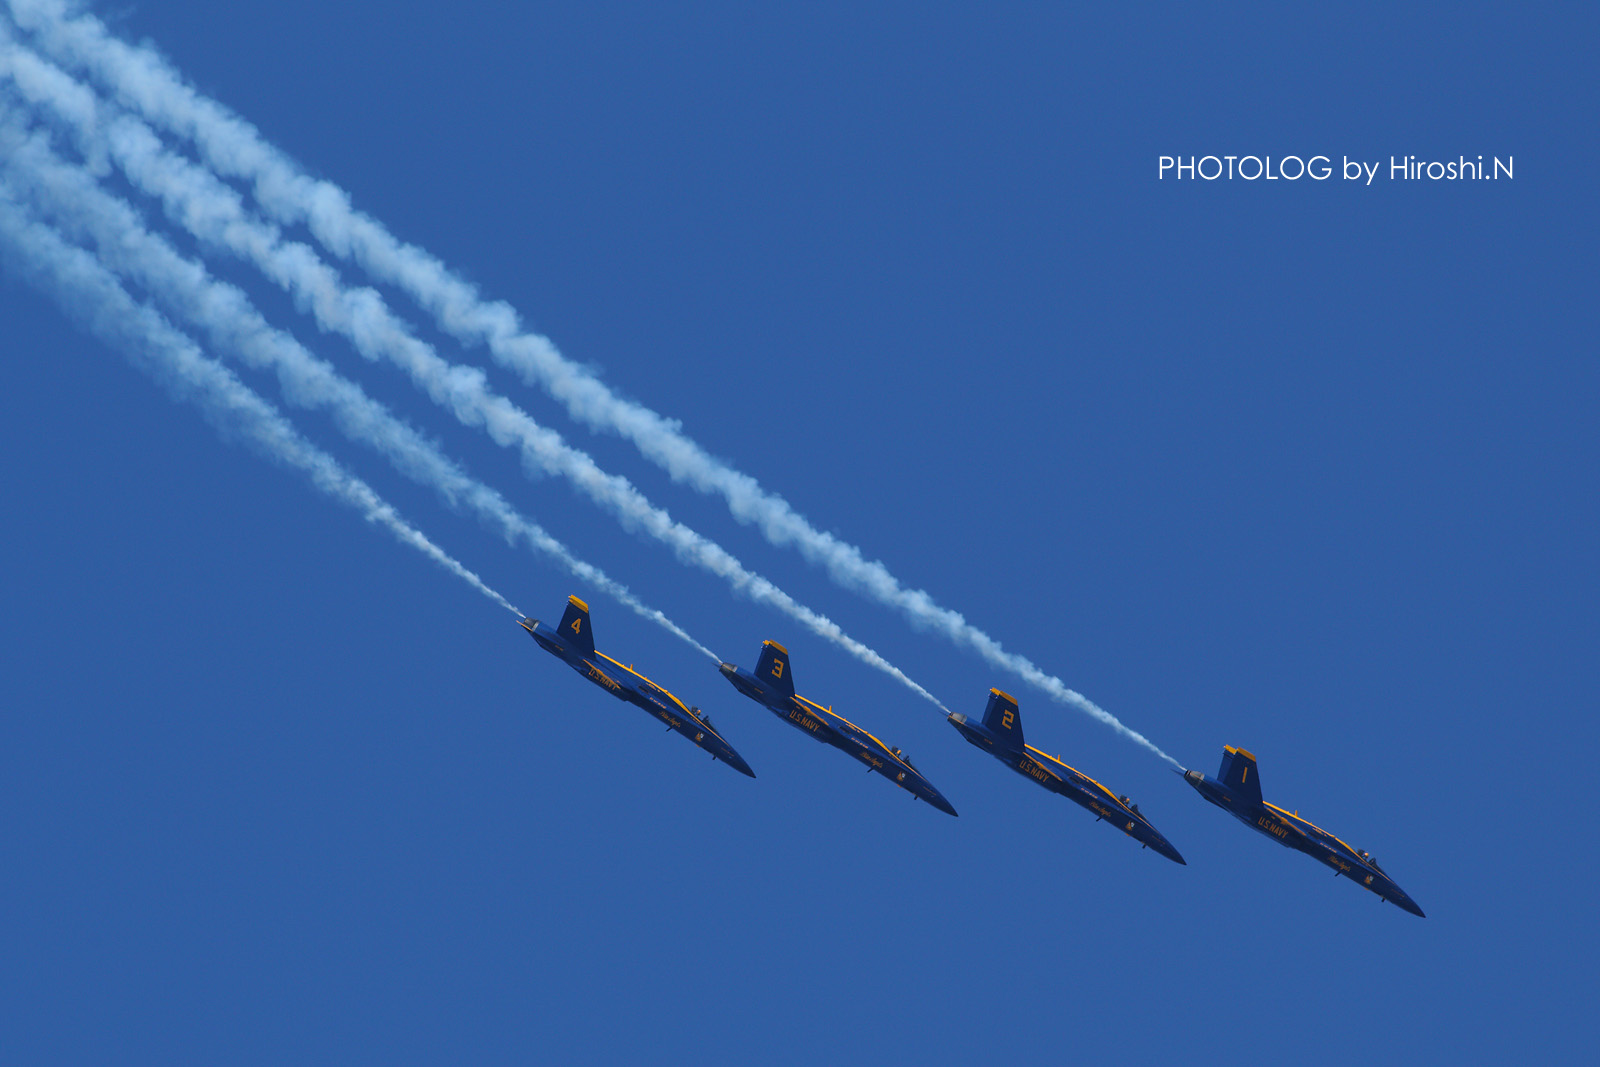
(1305, 467)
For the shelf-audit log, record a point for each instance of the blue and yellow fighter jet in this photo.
(1237, 790)
(573, 643)
(1000, 735)
(772, 686)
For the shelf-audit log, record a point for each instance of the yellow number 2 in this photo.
(1007, 720)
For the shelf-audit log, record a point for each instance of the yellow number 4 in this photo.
(577, 624)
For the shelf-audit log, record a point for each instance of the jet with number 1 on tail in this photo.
(1000, 735)
(772, 686)
(1237, 790)
(573, 643)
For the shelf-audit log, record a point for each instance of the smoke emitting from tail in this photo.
(143, 81)
(76, 203)
(212, 212)
(89, 293)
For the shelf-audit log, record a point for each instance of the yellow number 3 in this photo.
(777, 668)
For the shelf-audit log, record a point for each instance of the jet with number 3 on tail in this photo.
(573, 643)
(1000, 735)
(1237, 790)
(772, 686)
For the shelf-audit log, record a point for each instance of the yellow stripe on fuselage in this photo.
(1040, 758)
(642, 678)
(1109, 795)
(1306, 822)
(835, 715)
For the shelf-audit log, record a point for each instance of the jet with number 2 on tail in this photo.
(1000, 735)
(1237, 790)
(573, 643)
(772, 686)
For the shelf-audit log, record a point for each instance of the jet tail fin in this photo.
(1238, 773)
(773, 667)
(1003, 720)
(575, 627)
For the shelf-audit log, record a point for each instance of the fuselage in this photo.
(833, 729)
(629, 685)
(1292, 831)
(1076, 786)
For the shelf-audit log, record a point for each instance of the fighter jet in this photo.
(573, 643)
(773, 686)
(1237, 790)
(1000, 735)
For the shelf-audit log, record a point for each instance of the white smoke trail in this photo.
(213, 213)
(78, 205)
(89, 294)
(142, 80)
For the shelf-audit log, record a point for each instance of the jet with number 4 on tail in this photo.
(1000, 735)
(573, 643)
(772, 686)
(1237, 790)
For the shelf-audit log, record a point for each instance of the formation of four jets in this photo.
(1236, 789)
